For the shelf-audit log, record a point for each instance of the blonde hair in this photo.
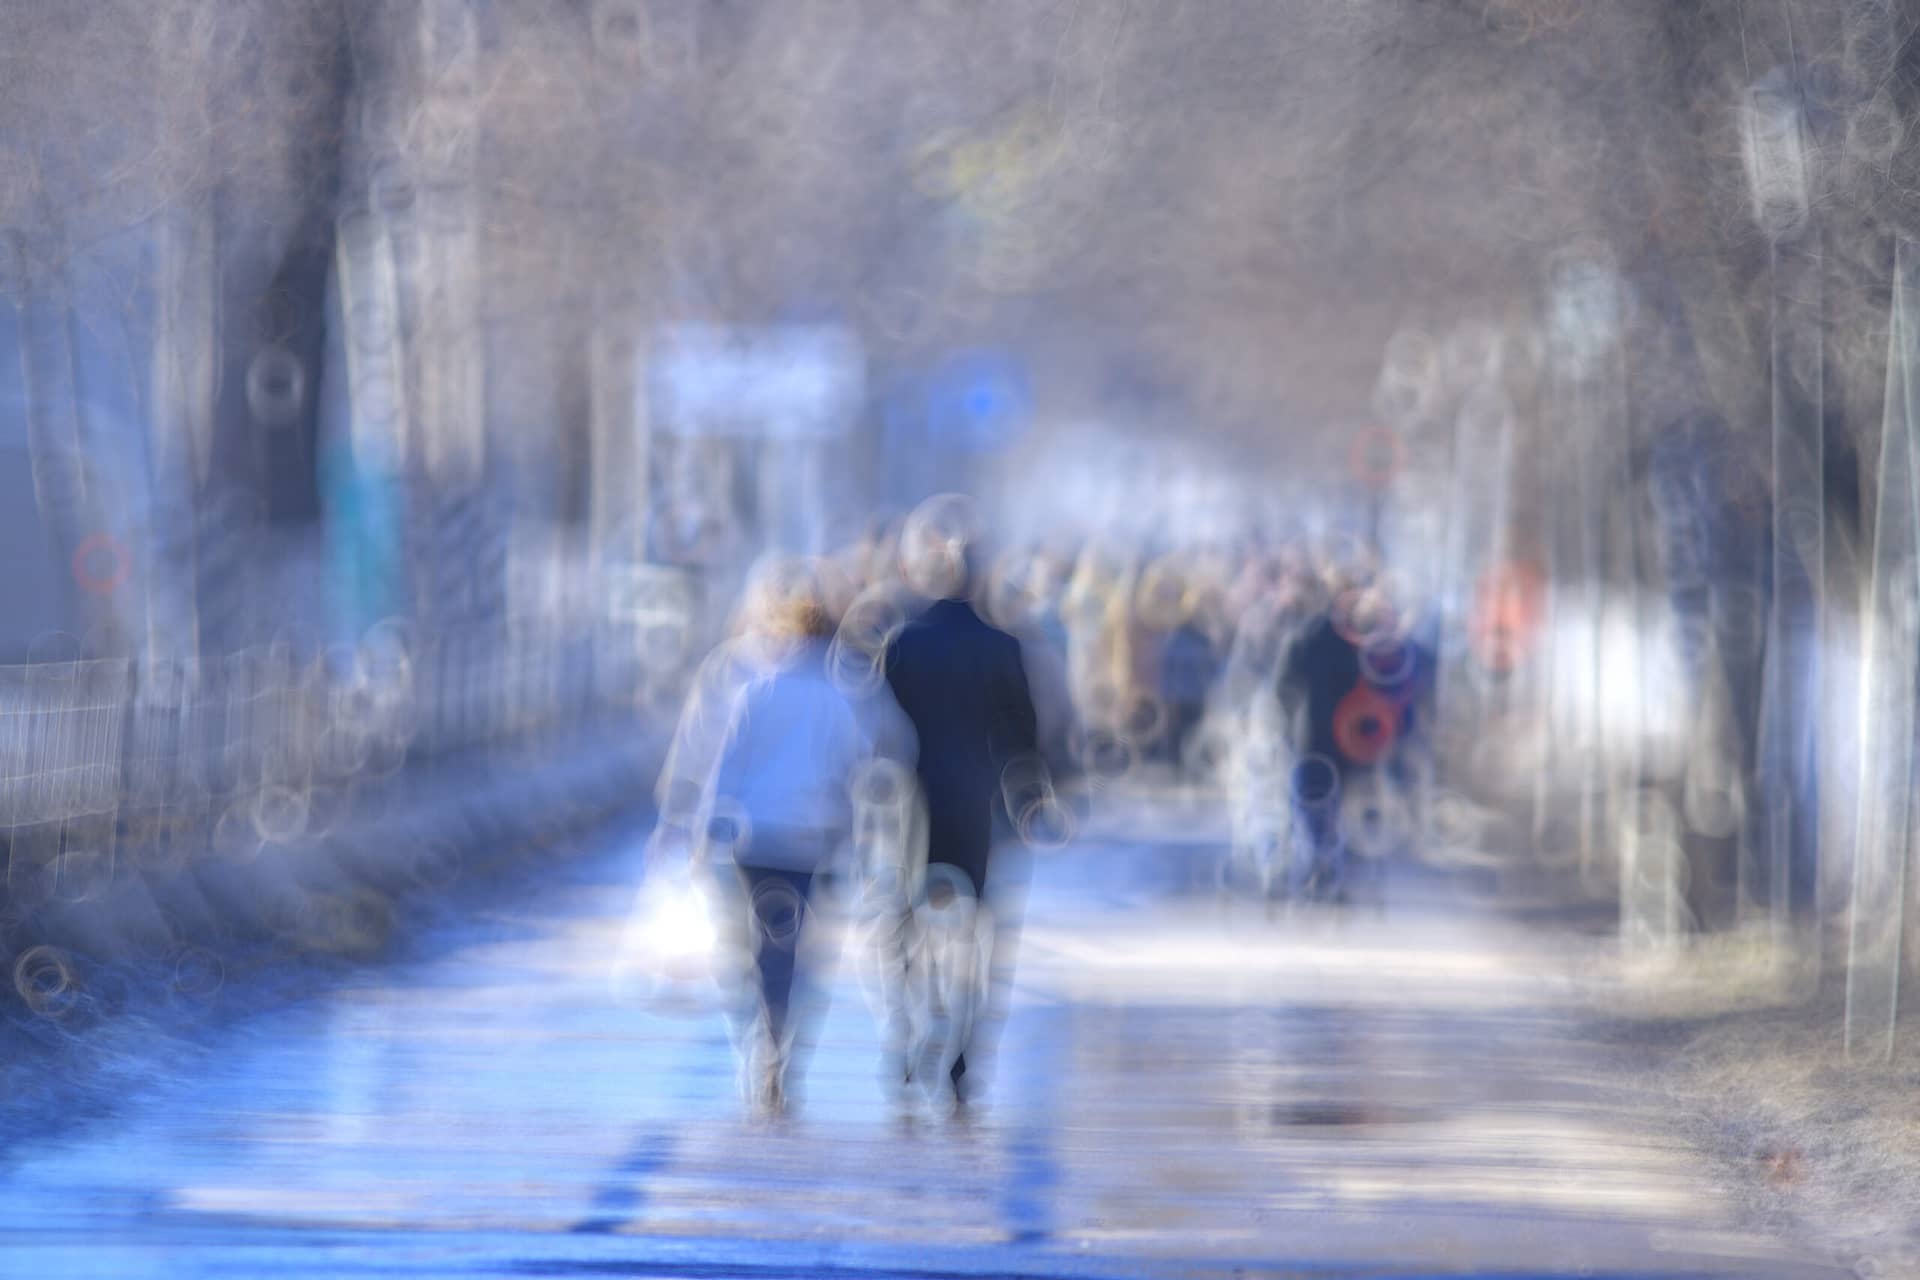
(785, 600)
(798, 618)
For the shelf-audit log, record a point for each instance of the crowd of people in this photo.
(889, 727)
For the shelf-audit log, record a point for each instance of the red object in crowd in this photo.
(85, 558)
(1366, 723)
(1376, 456)
(1507, 614)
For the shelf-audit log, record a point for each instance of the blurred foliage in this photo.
(1240, 200)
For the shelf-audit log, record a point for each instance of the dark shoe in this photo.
(966, 1087)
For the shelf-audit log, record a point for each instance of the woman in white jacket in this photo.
(778, 803)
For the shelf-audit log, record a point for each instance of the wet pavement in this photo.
(1186, 1088)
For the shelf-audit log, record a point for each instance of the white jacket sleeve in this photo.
(686, 779)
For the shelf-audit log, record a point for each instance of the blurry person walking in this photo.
(777, 809)
(1349, 684)
(963, 684)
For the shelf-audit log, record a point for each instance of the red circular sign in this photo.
(1507, 615)
(1515, 592)
(1366, 724)
(86, 570)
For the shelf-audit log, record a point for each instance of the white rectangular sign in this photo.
(775, 383)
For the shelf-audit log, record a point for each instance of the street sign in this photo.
(978, 401)
(796, 382)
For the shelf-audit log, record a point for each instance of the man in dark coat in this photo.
(962, 683)
(1350, 685)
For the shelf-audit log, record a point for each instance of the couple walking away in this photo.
(760, 780)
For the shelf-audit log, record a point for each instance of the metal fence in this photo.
(113, 766)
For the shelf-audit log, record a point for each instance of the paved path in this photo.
(1185, 1091)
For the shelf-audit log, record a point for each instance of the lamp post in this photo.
(1780, 177)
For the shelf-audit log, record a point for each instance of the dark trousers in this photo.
(1316, 788)
(777, 904)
